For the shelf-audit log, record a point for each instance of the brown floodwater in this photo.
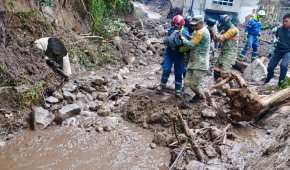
(126, 147)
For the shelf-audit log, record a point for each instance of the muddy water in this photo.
(127, 147)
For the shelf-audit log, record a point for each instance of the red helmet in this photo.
(178, 21)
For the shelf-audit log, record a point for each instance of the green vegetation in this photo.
(285, 83)
(33, 96)
(5, 78)
(103, 11)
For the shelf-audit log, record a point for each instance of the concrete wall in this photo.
(217, 7)
(242, 7)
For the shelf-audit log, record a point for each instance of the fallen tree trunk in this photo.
(245, 104)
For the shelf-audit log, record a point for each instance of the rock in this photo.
(69, 96)
(47, 106)
(117, 77)
(83, 105)
(204, 124)
(104, 111)
(98, 81)
(161, 139)
(49, 14)
(152, 145)
(82, 97)
(208, 113)
(52, 100)
(142, 47)
(110, 123)
(153, 41)
(117, 42)
(99, 129)
(69, 111)
(151, 78)
(195, 165)
(70, 122)
(88, 114)
(102, 96)
(124, 70)
(87, 88)
(94, 106)
(70, 87)
(42, 116)
(256, 71)
(55, 107)
(142, 63)
(107, 129)
(102, 89)
(149, 53)
(284, 110)
(58, 95)
(2, 143)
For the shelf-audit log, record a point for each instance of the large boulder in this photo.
(122, 46)
(42, 117)
(256, 71)
(68, 111)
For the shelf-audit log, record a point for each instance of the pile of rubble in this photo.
(84, 103)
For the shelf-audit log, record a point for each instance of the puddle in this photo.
(127, 147)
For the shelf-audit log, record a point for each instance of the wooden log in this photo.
(189, 133)
(241, 66)
(246, 104)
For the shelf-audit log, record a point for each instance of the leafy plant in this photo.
(102, 12)
(33, 95)
(285, 83)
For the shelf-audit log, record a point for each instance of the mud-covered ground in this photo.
(119, 121)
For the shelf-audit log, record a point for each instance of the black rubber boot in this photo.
(196, 99)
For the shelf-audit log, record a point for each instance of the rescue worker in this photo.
(198, 64)
(281, 52)
(173, 56)
(55, 52)
(187, 32)
(253, 29)
(229, 40)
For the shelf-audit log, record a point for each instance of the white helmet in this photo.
(261, 13)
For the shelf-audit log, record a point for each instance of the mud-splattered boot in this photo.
(197, 98)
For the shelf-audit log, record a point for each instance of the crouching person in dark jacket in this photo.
(173, 55)
(55, 51)
(281, 52)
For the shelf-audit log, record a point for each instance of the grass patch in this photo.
(33, 96)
